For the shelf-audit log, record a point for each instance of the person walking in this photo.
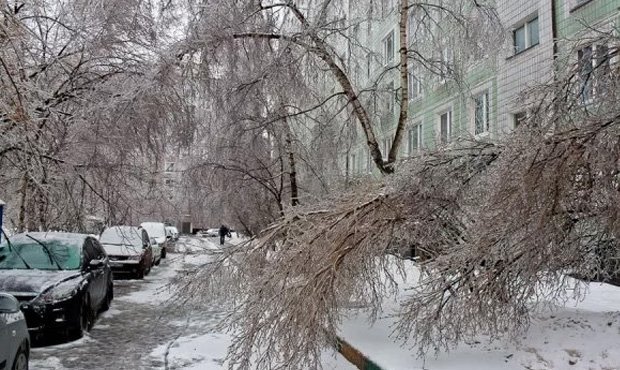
(224, 231)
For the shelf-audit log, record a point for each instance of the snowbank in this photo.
(580, 335)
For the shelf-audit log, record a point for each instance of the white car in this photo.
(171, 230)
(157, 233)
(14, 338)
(213, 232)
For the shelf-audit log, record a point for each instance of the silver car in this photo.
(14, 338)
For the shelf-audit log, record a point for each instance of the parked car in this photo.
(14, 338)
(61, 280)
(171, 244)
(212, 233)
(174, 232)
(129, 250)
(157, 231)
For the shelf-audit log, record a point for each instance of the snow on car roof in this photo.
(155, 229)
(42, 236)
(131, 235)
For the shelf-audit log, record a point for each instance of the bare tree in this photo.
(496, 229)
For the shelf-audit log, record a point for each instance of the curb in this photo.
(354, 356)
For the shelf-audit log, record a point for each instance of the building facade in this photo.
(484, 98)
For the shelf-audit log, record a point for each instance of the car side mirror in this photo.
(8, 303)
(168, 237)
(95, 264)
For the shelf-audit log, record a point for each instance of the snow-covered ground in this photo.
(581, 335)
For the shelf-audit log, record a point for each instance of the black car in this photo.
(62, 280)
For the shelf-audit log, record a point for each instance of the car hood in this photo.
(122, 250)
(33, 281)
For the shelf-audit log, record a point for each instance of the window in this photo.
(368, 161)
(445, 127)
(594, 67)
(447, 58)
(353, 168)
(411, 27)
(481, 113)
(388, 48)
(414, 139)
(169, 166)
(519, 118)
(415, 86)
(526, 36)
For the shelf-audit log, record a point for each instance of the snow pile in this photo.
(581, 335)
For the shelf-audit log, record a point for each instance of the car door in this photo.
(5, 342)
(95, 275)
(103, 256)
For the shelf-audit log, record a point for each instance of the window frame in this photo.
(415, 85)
(418, 129)
(486, 112)
(527, 34)
(387, 56)
(598, 64)
(449, 123)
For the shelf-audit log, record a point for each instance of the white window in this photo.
(519, 118)
(526, 35)
(388, 48)
(414, 139)
(445, 127)
(481, 113)
(415, 86)
(594, 63)
(447, 63)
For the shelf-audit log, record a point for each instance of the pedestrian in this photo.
(224, 231)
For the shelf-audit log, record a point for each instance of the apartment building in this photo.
(488, 100)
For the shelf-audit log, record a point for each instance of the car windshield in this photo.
(155, 229)
(25, 253)
(129, 236)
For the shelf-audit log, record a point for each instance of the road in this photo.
(140, 320)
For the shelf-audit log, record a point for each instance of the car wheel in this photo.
(21, 358)
(163, 253)
(147, 269)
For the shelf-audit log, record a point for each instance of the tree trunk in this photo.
(322, 52)
(404, 83)
(291, 163)
(21, 218)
